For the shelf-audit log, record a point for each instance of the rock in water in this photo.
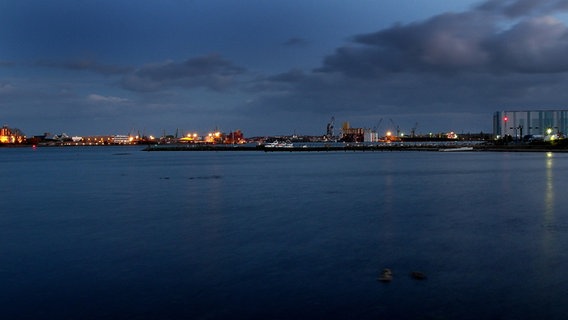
(386, 275)
(418, 275)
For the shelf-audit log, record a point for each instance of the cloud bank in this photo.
(210, 71)
(450, 71)
(457, 43)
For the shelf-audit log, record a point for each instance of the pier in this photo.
(322, 147)
(472, 146)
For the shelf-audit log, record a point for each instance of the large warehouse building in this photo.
(519, 124)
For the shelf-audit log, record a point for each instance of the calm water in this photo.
(92, 233)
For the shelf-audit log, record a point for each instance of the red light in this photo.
(505, 119)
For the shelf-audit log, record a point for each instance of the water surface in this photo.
(114, 232)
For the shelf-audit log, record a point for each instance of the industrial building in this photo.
(349, 134)
(531, 123)
(11, 136)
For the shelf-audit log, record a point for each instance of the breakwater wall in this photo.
(479, 146)
(303, 148)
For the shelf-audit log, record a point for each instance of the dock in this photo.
(357, 147)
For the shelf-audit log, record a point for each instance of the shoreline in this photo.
(362, 148)
(479, 147)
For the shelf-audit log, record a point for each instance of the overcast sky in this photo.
(270, 67)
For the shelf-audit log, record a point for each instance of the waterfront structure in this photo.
(349, 134)
(11, 136)
(234, 137)
(370, 136)
(121, 139)
(530, 123)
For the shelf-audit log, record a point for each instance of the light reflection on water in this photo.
(549, 193)
(95, 232)
(550, 226)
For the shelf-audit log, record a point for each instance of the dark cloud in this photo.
(281, 82)
(211, 71)
(452, 43)
(84, 65)
(537, 45)
(520, 8)
(293, 75)
(445, 43)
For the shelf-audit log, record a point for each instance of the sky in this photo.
(271, 67)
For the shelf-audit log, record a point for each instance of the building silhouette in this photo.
(528, 123)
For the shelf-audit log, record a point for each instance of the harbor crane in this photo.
(378, 126)
(413, 130)
(396, 127)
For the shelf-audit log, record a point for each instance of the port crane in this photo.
(376, 128)
(396, 127)
(413, 130)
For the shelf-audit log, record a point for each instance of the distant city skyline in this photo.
(277, 67)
